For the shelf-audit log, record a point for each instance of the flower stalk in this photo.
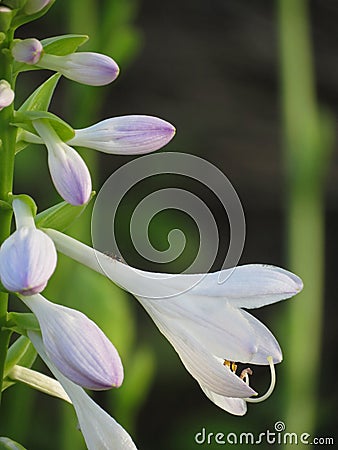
(7, 151)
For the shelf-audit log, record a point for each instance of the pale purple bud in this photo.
(6, 94)
(28, 257)
(132, 135)
(76, 345)
(93, 69)
(69, 172)
(27, 51)
(34, 6)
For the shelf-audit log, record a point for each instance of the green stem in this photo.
(7, 152)
(307, 145)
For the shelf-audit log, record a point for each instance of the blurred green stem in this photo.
(7, 151)
(307, 142)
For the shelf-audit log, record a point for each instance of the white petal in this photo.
(236, 406)
(200, 363)
(6, 94)
(100, 431)
(249, 286)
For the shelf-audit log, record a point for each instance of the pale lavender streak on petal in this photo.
(77, 346)
(70, 175)
(27, 261)
(27, 51)
(100, 431)
(93, 69)
(135, 134)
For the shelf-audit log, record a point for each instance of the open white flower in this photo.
(28, 257)
(100, 431)
(202, 317)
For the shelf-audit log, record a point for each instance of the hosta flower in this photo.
(202, 317)
(124, 135)
(28, 257)
(93, 69)
(99, 430)
(131, 135)
(76, 345)
(69, 172)
(27, 51)
(6, 94)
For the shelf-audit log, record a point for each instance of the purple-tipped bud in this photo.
(34, 6)
(126, 135)
(27, 51)
(69, 172)
(93, 69)
(6, 94)
(77, 346)
(28, 257)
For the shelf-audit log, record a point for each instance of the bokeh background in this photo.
(251, 86)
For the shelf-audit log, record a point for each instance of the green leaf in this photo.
(22, 353)
(9, 444)
(21, 322)
(60, 216)
(64, 45)
(40, 99)
(23, 119)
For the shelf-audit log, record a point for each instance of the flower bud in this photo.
(27, 51)
(6, 94)
(69, 172)
(28, 257)
(131, 135)
(34, 6)
(76, 345)
(93, 69)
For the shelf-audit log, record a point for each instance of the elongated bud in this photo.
(6, 94)
(69, 172)
(28, 257)
(27, 51)
(88, 68)
(126, 135)
(34, 6)
(76, 345)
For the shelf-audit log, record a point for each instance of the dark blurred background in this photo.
(212, 69)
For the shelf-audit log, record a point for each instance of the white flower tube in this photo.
(6, 94)
(133, 135)
(99, 430)
(69, 172)
(28, 257)
(76, 345)
(201, 316)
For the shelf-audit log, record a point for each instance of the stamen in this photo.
(231, 365)
(271, 387)
(245, 375)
